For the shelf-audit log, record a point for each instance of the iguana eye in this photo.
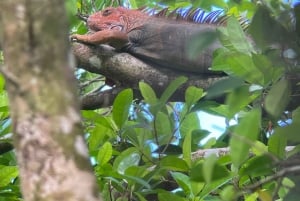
(106, 12)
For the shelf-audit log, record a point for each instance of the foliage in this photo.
(143, 150)
(9, 184)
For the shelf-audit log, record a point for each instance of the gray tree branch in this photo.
(127, 71)
(48, 135)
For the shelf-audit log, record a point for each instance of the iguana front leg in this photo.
(116, 39)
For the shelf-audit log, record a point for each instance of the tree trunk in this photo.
(51, 152)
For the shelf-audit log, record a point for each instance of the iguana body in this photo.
(160, 41)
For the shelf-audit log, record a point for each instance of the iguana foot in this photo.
(76, 38)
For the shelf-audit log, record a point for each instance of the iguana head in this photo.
(120, 18)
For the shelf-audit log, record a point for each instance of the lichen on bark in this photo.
(49, 142)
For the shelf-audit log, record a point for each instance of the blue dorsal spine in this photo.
(196, 15)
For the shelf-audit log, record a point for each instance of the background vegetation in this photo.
(149, 149)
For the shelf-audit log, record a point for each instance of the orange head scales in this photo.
(119, 19)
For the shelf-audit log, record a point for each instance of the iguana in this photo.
(157, 39)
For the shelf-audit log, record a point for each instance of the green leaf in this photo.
(237, 37)
(244, 135)
(190, 122)
(183, 181)
(121, 107)
(2, 83)
(278, 98)
(287, 185)
(148, 93)
(293, 193)
(208, 188)
(116, 183)
(293, 151)
(197, 187)
(287, 182)
(259, 148)
(140, 196)
(173, 163)
(98, 135)
(265, 30)
(132, 134)
(224, 85)
(71, 8)
(209, 4)
(212, 108)
(137, 171)
(277, 144)
(257, 166)
(173, 86)
(133, 4)
(95, 117)
(163, 124)
(238, 99)
(208, 171)
(213, 171)
(197, 136)
(187, 148)
(136, 180)
(193, 95)
(129, 157)
(290, 132)
(169, 196)
(7, 174)
(209, 167)
(210, 143)
(296, 114)
(252, 197)
(265, 66)
(228, 193)
(239, 65)
(200, 42)
(105, 153)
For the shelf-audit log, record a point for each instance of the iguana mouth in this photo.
(117, 27)
(107, 26)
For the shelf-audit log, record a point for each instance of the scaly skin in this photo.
(111, 26)
(157, 41)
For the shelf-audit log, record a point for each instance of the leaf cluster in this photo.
(143, 150)
(9, 182)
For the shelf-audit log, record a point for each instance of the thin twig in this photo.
(96, 79)
(9, 76)
(277, 175)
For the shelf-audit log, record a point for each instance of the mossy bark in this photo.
(51, 152)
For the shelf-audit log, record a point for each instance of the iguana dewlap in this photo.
(163, 42)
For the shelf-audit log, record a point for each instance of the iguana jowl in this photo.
(155, 40)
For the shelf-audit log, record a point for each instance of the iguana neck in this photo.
(134, 20)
